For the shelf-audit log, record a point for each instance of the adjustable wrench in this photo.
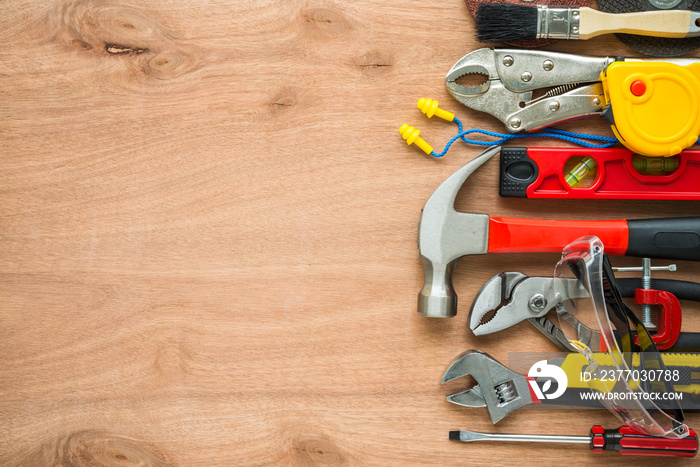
(502, 390)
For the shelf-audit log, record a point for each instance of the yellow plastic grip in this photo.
(430, 108)
(410, 134)
(655, 105)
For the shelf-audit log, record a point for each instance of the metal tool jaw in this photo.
(511, 297)
(570, 85)
(498, 388)
(444, 236)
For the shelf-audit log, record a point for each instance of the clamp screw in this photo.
(646, 285)
(670, 267)
(515, 122)
(554, 106)
(574, 29)
(526, 76)
(548, 65)
(507, 60)
(575, 14)
(596, 101)
(537, 302)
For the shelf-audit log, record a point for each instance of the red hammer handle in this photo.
(513, 235)
(670, 238)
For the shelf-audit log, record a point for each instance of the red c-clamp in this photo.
(669, 315)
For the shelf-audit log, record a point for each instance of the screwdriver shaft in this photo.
(466, 436)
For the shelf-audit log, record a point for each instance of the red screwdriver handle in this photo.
(630, 442)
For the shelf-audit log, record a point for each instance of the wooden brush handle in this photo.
(666, 23)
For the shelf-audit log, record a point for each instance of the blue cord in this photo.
(576, 138)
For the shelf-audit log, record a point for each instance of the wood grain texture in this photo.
(207, 237)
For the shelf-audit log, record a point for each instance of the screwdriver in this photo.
(626, 440)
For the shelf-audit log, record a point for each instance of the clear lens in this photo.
(578, 313)
(619, 350)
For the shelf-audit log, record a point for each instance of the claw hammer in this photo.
(445, 235)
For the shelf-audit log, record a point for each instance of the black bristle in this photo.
(502, 22)
(454, 435)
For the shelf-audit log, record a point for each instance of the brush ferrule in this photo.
(557, 23)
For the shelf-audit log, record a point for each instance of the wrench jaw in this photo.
(472, 398)
(498, 389)
(487, 315)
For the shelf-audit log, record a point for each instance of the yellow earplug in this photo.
(430, 107)
(410, 134)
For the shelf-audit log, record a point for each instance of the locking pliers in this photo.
(512, 76)
(638, 97)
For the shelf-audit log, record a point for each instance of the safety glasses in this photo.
(625, 371)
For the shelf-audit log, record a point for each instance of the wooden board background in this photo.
(207, 237)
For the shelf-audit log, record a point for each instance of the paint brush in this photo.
(500, 22)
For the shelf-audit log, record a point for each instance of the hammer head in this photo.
(444, 236)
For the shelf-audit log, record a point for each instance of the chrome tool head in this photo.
(499, 389)
(511, 297)
(444, 236)
(569, 86)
